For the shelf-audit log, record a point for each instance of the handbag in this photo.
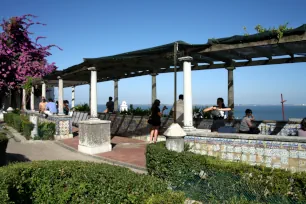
(150, 120)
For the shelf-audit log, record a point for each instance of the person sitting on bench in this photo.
(246, 125)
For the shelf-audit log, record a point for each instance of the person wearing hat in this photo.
(246, 125)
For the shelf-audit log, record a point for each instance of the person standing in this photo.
(218, 113)
(109, 105)
(155, 120)
(66, 107)
(179, 110)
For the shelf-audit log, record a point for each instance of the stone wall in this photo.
(63, 124)
(271, 151)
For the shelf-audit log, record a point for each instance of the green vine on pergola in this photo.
(27, 86)
(279, 30)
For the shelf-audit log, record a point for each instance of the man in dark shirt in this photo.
(109, 105)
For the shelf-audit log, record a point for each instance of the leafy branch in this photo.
(279, 30)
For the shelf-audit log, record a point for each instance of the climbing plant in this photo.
(278, 30)
(27, 86)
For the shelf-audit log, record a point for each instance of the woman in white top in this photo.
(218, 113)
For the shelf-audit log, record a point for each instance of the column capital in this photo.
(116, 80)
(91, 69)
(59, 77)
(186, 58)
(230, 68)
(153, 74)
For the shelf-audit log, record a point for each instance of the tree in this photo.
(20, 57)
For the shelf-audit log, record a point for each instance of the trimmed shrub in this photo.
(46, 131)
(169, 197)
(17, 122)
(27, 127)
(82, 107)
(16, 111)
(3, 145)
(76, 182)
(9, 118)
(210, 179)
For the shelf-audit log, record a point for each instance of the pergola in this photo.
(229, 53)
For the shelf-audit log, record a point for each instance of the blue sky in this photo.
(96, 28)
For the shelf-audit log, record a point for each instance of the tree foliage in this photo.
(20, 56)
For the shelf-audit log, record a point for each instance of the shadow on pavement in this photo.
(14, 158)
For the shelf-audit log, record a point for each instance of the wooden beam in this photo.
(286, 49)
(240, 55)
(286, 39)
(255, 63)
(65, 73)
(207, 67)
(202, 59)
(217, 57)
(262, 52)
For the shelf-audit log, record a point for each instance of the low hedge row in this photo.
(19, 122)
(3, 146)
(209, 179)
(80, 182)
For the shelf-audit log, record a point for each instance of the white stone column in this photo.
(89, 94)
(24, 100)
(60, 96)
(188, 116)
(93, 94)
(32, 99)
(43, 90)
(116, 95)
(153, 87)
(94, 134)
(72, 97)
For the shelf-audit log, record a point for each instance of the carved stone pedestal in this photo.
(94, 136)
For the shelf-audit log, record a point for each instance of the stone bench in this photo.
(137, 126)
(79, 116)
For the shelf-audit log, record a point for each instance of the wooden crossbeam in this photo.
(255, 63)
(202, 67)
(238, 54)
(286, 39)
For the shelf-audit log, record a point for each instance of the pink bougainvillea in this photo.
(21, 57)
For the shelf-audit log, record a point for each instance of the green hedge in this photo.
(209, 179)
(79, 182)
(46, 131)
(19, 122)
(3, 146)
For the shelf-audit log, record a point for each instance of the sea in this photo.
(260, 112)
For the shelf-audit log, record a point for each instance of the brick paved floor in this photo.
(126, 150)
